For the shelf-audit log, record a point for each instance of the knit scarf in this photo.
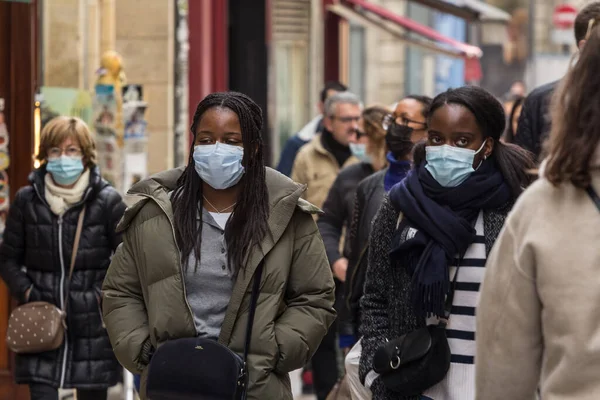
(437, 226)
(395, 173)
(339, 151)
(60, 198)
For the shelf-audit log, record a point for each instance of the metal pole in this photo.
(128, 386)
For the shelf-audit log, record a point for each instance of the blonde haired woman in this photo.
(36, 253)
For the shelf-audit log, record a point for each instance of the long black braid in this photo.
(248, 224)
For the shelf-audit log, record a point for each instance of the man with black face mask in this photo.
(405, 127)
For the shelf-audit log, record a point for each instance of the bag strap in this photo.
(450, 296)
(74, 253)
(253, 302)
(594, 196)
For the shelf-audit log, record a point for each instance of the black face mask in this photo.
(398, 140)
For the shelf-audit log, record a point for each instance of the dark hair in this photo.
(591, 12)
(509, 136)
(332, 85)
(513, 161)
(419, 153)
(248, 224)
(425, 100)
(575, 134)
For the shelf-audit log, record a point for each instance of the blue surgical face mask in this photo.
(65, 170)
(359, 150)
(219, 165)
(449, 165)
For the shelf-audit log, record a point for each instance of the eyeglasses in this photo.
(401, 120)
(72, 151)
(345, 120)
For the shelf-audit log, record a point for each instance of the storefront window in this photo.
(291, 66)
(357, 56)
(415, 71)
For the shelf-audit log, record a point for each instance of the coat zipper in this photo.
(178, 251)
(62, 273)
(62, 298)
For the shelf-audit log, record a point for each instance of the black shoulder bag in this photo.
(594, 196)
(202, 369)
(418, 360)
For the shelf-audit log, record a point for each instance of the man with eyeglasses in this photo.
(309, 131)
(317, 165)
(319, 162)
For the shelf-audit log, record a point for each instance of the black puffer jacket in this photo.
(30, 257)
(534, 122)
(337, 213)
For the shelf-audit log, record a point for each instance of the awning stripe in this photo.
(407, 23)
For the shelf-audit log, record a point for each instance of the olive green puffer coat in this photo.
(145, 302)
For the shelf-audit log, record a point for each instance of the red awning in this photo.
(413, 26)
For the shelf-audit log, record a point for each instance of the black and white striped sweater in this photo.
(387, 312)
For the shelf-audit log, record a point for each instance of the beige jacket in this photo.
(538, 321)
(317, 168)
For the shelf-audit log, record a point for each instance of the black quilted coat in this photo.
(30, 256)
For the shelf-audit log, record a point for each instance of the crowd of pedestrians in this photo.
(443, 248)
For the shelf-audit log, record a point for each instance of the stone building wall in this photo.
(77, 32)
(385, 61)
(145, 38)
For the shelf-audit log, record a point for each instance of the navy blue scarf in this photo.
(396, 172)
(438, 226)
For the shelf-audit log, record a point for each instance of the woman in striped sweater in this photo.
(447, 212)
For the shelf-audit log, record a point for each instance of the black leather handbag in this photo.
(594, 196)
(418, 360)
(202, 369)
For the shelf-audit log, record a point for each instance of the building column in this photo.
(331, 54)
(249, 56)
(208, 56)
(108, 28)
(18, 82)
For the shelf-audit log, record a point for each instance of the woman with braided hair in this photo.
(429, 243)
(193, 245)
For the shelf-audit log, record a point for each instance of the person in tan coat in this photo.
(538, 320)
(190, 253)
(319, 162)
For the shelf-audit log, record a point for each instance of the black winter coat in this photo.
(337, 213)
(369, 196)
(387, 310)
(30, 258)
(338, 208)
(534, 122)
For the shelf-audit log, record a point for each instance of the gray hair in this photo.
(340, 98)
